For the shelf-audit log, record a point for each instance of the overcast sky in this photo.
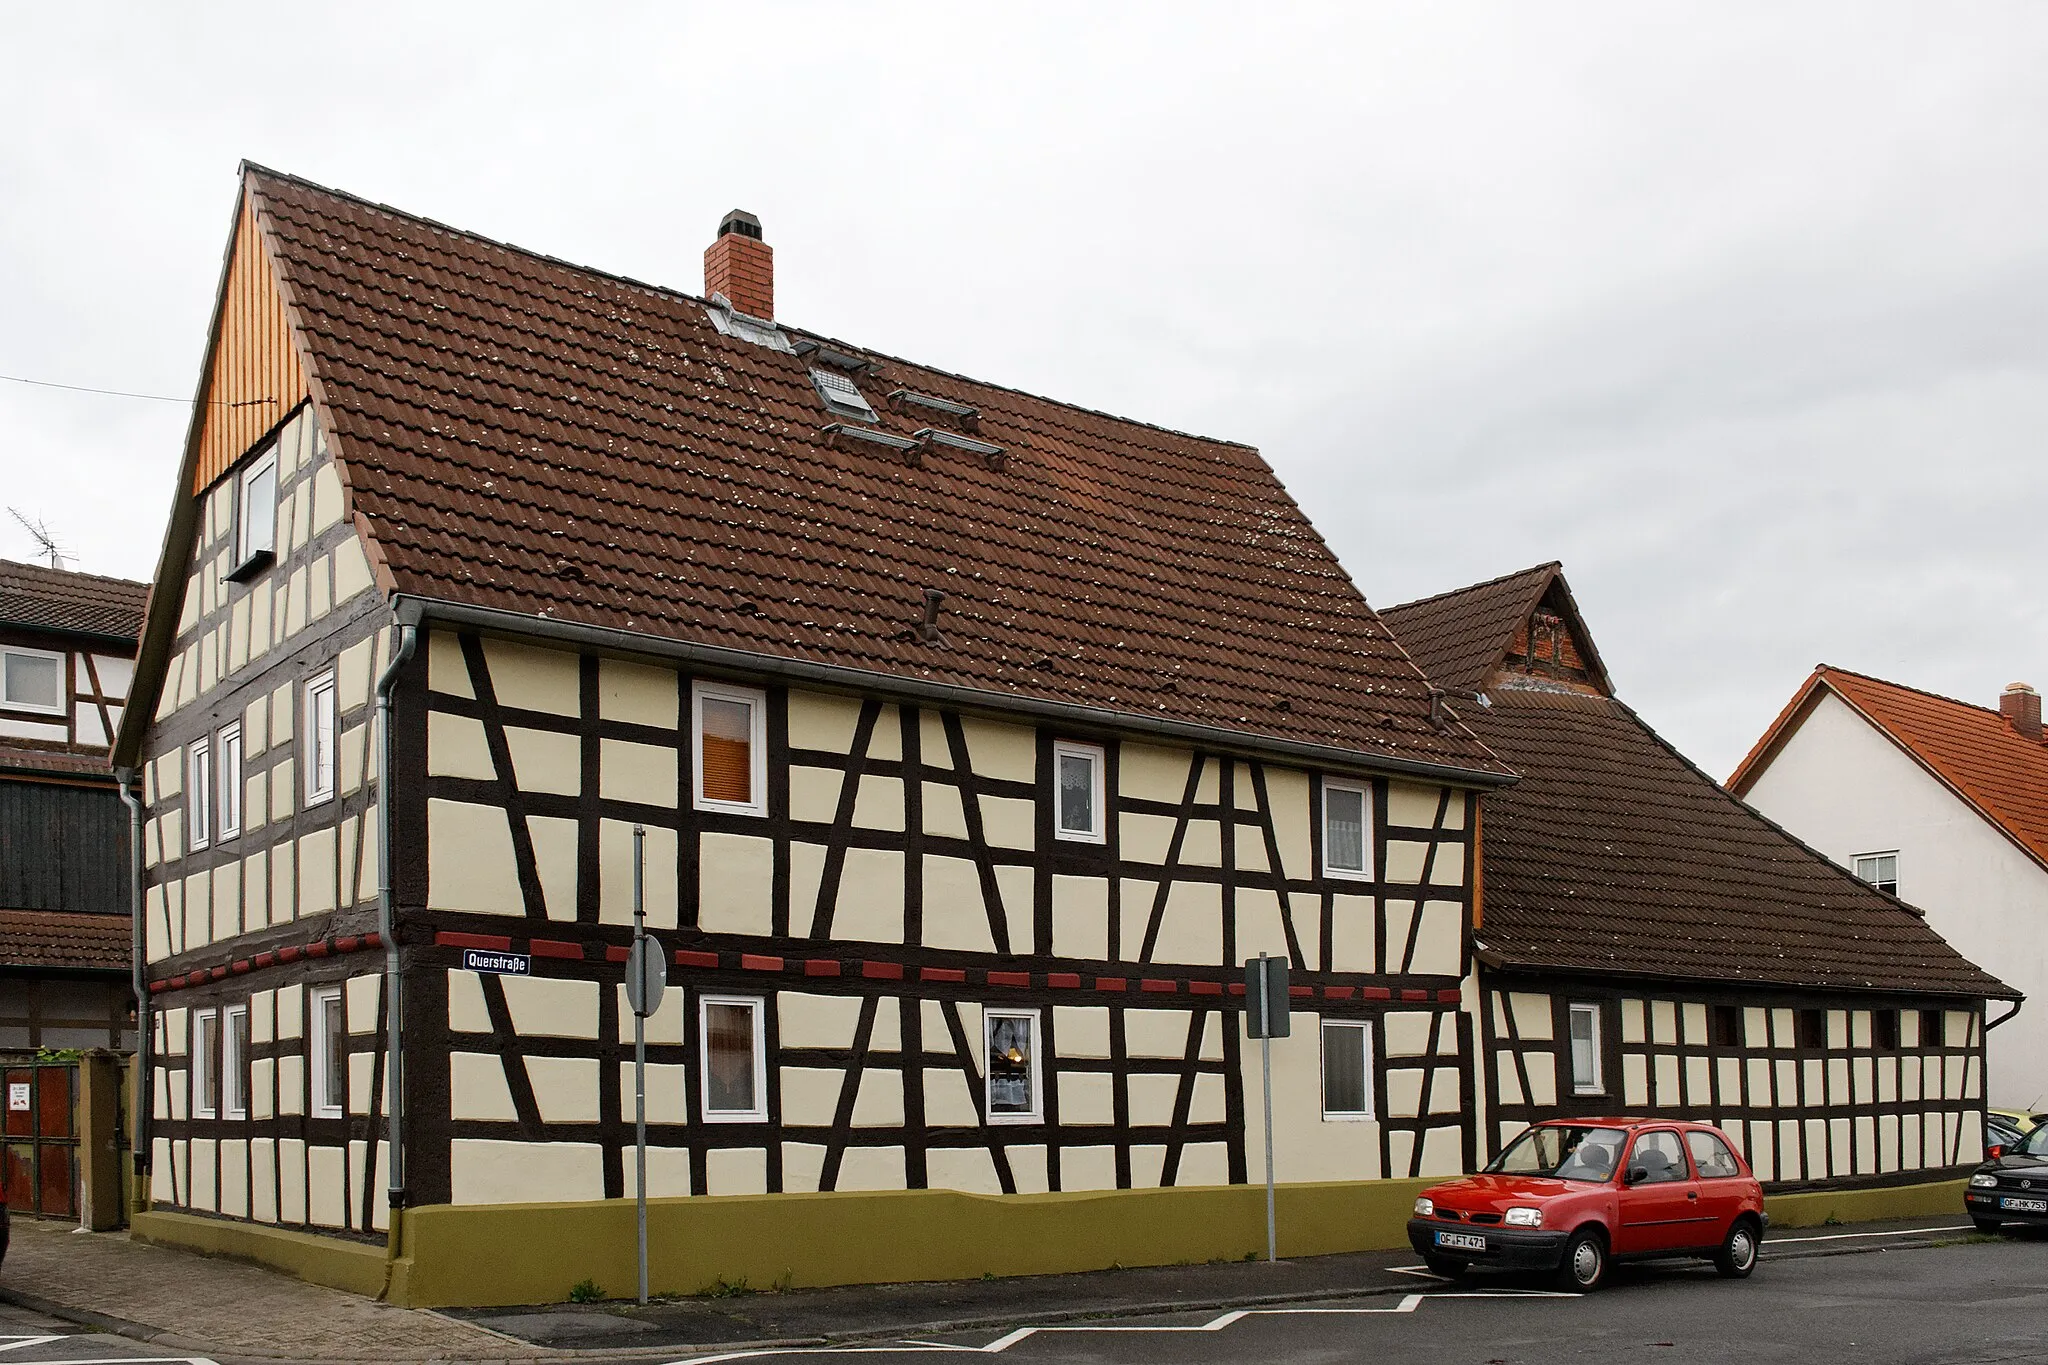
(1740, 311)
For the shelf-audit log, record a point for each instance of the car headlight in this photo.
(1425, 1208)
(1984, 1182)
(1523, 1218)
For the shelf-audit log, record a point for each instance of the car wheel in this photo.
(1444, 1268)
(1585, 1262)
(1987, 1224)
(1737, 1256)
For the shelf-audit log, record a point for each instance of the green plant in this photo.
(1251, 1255)
(1831, 1221)
(735, 1288)
(784, 1282)
(585, 1291)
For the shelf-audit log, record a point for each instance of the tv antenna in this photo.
(46, 541)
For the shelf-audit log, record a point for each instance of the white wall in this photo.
(1845, 788)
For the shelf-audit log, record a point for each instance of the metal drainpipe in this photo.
(145, 1085)
(394, 1063)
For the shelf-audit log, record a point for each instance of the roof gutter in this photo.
(2006, 1018)
(1495, 959)
(414, 610)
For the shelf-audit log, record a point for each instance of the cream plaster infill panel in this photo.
(534, 679)
(879, 1101)
(944, 816)
(326, 498)
(352, 675)
(470, 865)
(548, 761)
(1080, 917)
(564, 1088)
(1009, 822)
(879, 803)
(668, 1089)
(1533, 1022)
(1440, 941)
(814, 794)
(810, 1096)
(447, 670)
(736, 1170)
(820, 1021)
(1250, 841)
(736, 874)
(497, 1171)
(1082, 1030)
(1148, 772)
(1152, 1098)
(477, 1088)
(1287, 792)
(555, 841)
(1088, 1168)
(968, 1169)
(467, 1012)
(642, 773)
(1202, 844)
(955, 915)
(1144, 838)
(1156, 1033)
(639, 694)
(1086, 1098)
(615, 874)
(351, 570)
(552, 1007)
(1260, 929)
(1191, 929)
(822, 721)
(1006, 752)
(948, 1102)
(458, 747)
(871, 1168)
(1354, 926)
(1016, 886)
(870, 906)
(1414, 806)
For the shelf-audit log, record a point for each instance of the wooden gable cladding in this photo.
(1546, 645)
(256, 377)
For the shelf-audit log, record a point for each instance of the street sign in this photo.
(646, 976)
(498, 964)
(1265, 997)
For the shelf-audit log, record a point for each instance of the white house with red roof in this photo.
(1944, 804)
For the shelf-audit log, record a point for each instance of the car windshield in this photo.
(2037, 1141)
(1562, 1151)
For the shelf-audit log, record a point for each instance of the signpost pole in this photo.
(640, 1051)
(1266, 1072)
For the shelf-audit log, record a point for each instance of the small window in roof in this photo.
(842, 395)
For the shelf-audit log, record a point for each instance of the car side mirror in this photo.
(1636, 1175)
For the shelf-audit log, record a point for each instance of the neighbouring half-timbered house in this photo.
(67, 650)
(977, 740)
(1651, 944)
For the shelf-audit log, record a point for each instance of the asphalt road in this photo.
(32, 1339)
(1974, 1301)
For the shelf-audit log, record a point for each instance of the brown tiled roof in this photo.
(1615, 854)
(29, 758)
(83, 603)
(522, 434)
(65, 939)
(1457, 637)
(1971, 749)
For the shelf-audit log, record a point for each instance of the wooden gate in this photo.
(42, 1144)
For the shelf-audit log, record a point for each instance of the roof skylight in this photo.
(842, 395)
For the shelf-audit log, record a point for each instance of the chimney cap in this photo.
(742, 222)
(2019, 689)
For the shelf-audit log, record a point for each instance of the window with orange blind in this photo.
(728, 737)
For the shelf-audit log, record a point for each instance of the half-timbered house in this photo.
(1651, 944)
(67, 649)
(976, 738)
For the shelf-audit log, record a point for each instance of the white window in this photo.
(234, 1064)
(732, 1046)
(730, 725)
(319, 750)
(1881, 870)
(198, 794)
(230, 743)
(205, 1063)
(1015, 1086)
(1347, 829)
(32, 680)
(256, 511)
(329, 1039)
(1347, 1069)
(1077, 791)
(1586, 1050)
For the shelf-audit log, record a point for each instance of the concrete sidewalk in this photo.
(230, 1311)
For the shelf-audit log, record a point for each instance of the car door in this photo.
(1721, 1184)
(1659, 1202)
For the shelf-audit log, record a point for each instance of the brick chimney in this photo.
(739, 265)
(2021, 707)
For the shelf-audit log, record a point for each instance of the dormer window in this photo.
(256, 516)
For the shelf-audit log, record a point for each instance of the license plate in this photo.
(2015, 1206)
(1465, 1241)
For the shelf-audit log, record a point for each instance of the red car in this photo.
(1571, 1196)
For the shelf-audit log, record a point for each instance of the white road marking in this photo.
(1408, 1304)
(15, 1343)
(1846, 1236)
